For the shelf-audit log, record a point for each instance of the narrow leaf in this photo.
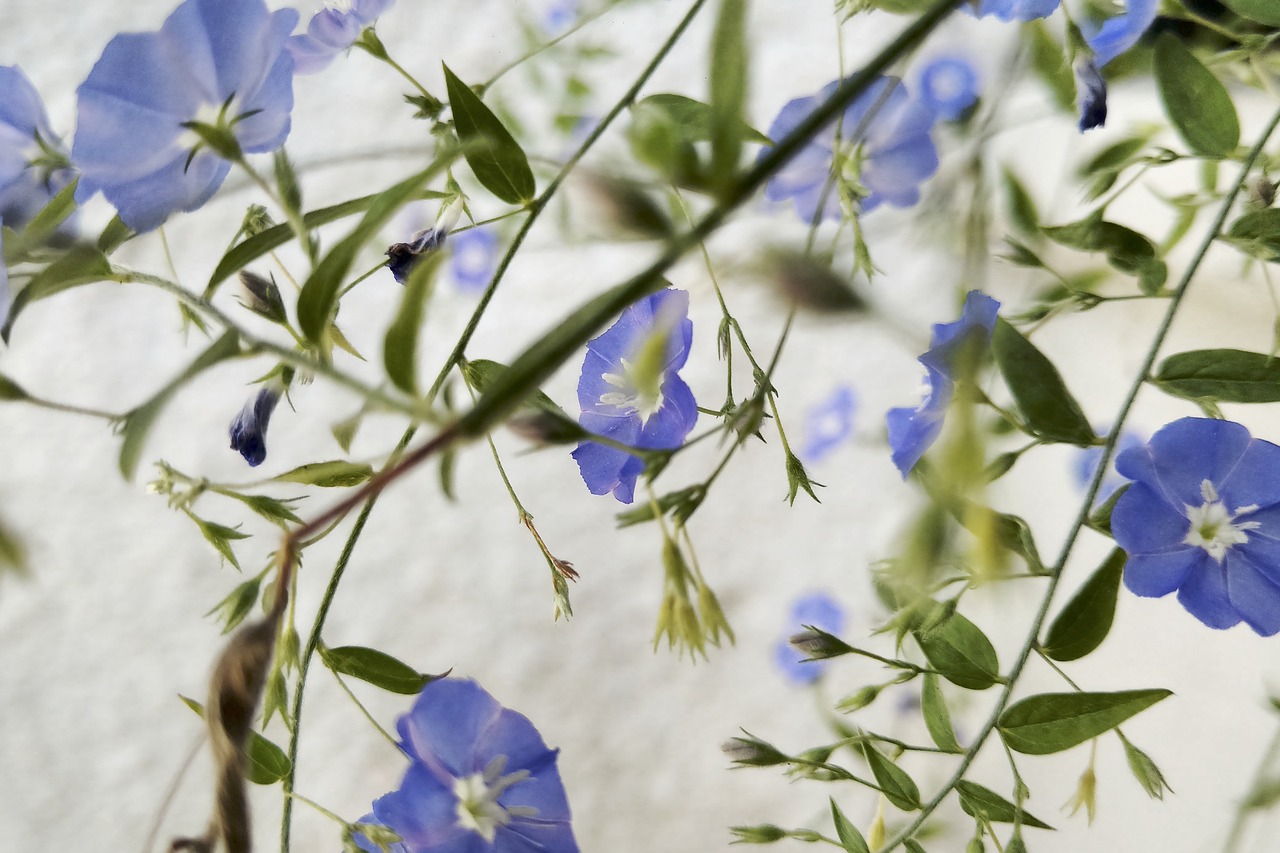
(375, 667)
(482, 374)
(1085, 621)
(693, 118)
(400, 346)
(1052, 722)
(850, 838)
(728, 74)
(1198, 105)
(1262, 11)
(82, 265)
(978, 801)
(337, 473)
(492, 153)
(1051, 412)
(937, 717)
(10, 390)
(897, 787)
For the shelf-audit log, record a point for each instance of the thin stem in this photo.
(516, 63)
(67, 407)
(363, 710)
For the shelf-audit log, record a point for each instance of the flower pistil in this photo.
(478, 806)
(1213, 527)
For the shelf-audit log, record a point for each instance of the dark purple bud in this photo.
(1091, 94)
(403, 257)
(249, 429)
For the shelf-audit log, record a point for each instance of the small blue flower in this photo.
(1203, 518)
(1014, 10)
(949, 85)
(249, 429)
(912, 431)
(829, 423)
(1086, 464)
(403, 257)
(1118, 34)
(885, 124)
(213, 61)
(560, 16)
(331, 31)
(1091, 94)
(817, 610)
(480, 778)
(33, 164)
(474, 259)
(629, 391)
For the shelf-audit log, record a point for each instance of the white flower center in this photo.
(630, 396)
(478, 806)
(1214, 527)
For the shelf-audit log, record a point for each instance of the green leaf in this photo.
(375, 667)
(482, 373)
(1022, 208)
(1037, 387)
(287, 181)
(897, 787)
(1262, 11)
(1257, 233)
(1100, 519)
(272, 509)
(400, 346)
(728, 74)
(266, 764)
(13, 556)
(937, 717)
(318, 300)
(1126, 249)
(220, 537)
(1049, 61)
(959, 650)
(41, 227)
(1146, 771)
(850, 838)
(1196, 102)
(1052, 722)
(233, 609)
(337, 473)
(493, 155)
(10, 390)
(115, 235)
(138, 422)
(912, 846)
(978, 801)
(1221, 375)
(1086, 619)
(693, 118)
(82, 265)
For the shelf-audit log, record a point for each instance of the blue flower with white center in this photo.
(1014, 10)
(1203, 517)
(33, 164)
(949, 85)
(884, 132)
(332, 31)
(216, 62)
(828, 424)
(954, 350)
(249, 429)
(1091, 93)
(480, 778)
(817, 610)
(474, 259)
(629, 391)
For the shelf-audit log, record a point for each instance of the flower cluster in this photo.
(629, 391)
(480, 779)
(332, 31)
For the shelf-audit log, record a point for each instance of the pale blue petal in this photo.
(1185, 453)
(949, 85)
(1143, 522)
(423, 811)
(1204, 595)
(668, 426)
(444, 724)
(1255, 480)
(1122, 32)
(1154, 575)
(1254, 595)
(524, 836)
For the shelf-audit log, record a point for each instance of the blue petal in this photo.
(913, 431)
(1011, 10)
(268, 127)
(1143, 522)
(949, 85)
(334, 29)
(829, 423)
(368, 11)
(442, 728)
(146, 202)
(977, 322)
(1255, 480)
(249, 429)
(667, 310)
(1157, 574)
(668, 426)
(1204, 594)
(804, 180)
(1122, 32)
(1183, 454)
(607, 470)
(310, 56)
(1091, 94)
(423, 810)
(20, 104)
(524, 836)
(819, 610)
(1255, 595)
(511, 733)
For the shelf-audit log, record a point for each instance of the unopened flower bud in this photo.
(807, 283)
(765, 833)
(262, 297)
(256, 220)
(818, 645)
(752, 752)
(543, 428)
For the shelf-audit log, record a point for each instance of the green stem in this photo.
(516, 63)
(363, 710)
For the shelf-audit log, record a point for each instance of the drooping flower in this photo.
(629, 391)
(817, 610)
(249, 429)
(474, 259)
(216, 62)
(480, 778)
(1203, 517)
(828, 424)
(949, 85)
(1091, 93)
(954, 348)
(1087, 458)
(1014, 10)
(33, 163)
(884, 131)
(403, 257)
(332, 31)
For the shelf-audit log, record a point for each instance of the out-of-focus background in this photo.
(111, 627)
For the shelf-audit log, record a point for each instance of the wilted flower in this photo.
(474, 258)
(403, 257)
(332, 31)
(220, 63)
(249, 429)
(949, 85)
(629, 391)
(480, 778)
(33, 163)
(1091, 93)
(954, 347)
(1014, 10)
(1203, 517)
(829, 423)
(816, 609)
(885, 131)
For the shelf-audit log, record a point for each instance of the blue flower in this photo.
(1087, 458)
(218, 62)
(332, 31)
(817, 610)
(1203, 518)
(403, 257)
(828, 424)
(629, 391)
(888, 126)
(1091, 94)
(480, 778)
(1118, 34)
(33, 163)
(249, 429)
(560, 16)
(1014, 10)
(474, 258)
(949, 85)
(954, 348)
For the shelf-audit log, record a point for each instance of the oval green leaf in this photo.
(1084, 623)
(1037, 387)
(1052, 722)
(377, 668)
(897, 787)
(335, 474)
(1263, 11)
(850, 838)
(960, 652)
(492, 153)
(1223, 375)
(400, 346)
(1195, 100)
(937, 717)
(978, 801)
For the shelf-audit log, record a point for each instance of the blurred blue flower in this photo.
(1087, 458)
(332, 31)
(888, 127)
(954, 347)
(1116, 35)
(33, 163)
(1203, 518)
(560, 16)
(474, 258)
(829, 423)
(249, 429)
(403, 257)
(1014, 10)
(480, 778)
(1091, 94)
(949, 85)
(218, 62)
(817, 610)
(629, 391)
